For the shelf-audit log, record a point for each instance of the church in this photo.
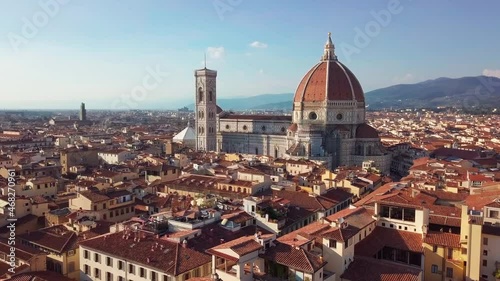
(327, 123)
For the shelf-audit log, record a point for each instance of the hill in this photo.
(266, 101)
(466, 92)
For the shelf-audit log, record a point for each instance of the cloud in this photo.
(215, 52)
(407, 78)
(492, 72)
(258, 45)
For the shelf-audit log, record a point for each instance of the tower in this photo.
(83, 112)
(206, 109)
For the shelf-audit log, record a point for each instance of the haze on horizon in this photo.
(58, 53)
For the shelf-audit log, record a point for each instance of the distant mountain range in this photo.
(266, 101)
(465, 92)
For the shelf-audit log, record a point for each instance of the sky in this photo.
(114, 54)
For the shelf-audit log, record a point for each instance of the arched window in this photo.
(210, 96)
(239, 189)
(359, 150)
(200, 94)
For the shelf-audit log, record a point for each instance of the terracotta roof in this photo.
(56, 238)
(384, 237)
(445, 239)
(149, 251)
(491, 229)
(23, 252)
(369, 269)
(94, 196)
(478, 201)
(453, 152)
(329, 80)
(294, 257)
(39, 276)
(365, 131)
(241, 246)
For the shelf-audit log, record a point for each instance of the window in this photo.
(333, 244)
(449, 272)
(97, 258)
(109, 276)
(494, 214)
(464, 251)
(434, 248)
(485, 252)
(120, 265)
(142, 272)
(131, 269)
(154, 276)
(71, 266)
(313, 116)
(210, 96)
(109, 261)
(485, 263)
(450, 253)
(434, 268)
(97, 273)
(86, 254)
(485, 241)
(200, 94)
(86, 269)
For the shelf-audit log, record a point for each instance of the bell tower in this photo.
(206, 109)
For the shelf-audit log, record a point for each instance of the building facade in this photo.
(327, 124)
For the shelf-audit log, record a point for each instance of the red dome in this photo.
(365, 131)
(329, 80)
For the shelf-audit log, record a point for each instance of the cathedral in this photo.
(327, 123)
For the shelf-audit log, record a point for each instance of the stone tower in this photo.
(83, 112)
(206, 109)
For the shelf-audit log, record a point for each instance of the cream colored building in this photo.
(43, 186)
(116, 156)
(113, 206)
(128, 255)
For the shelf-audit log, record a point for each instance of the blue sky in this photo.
(100, 51)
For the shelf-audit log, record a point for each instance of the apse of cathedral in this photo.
(327, 123)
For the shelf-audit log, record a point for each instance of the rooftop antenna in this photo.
(205, 60)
